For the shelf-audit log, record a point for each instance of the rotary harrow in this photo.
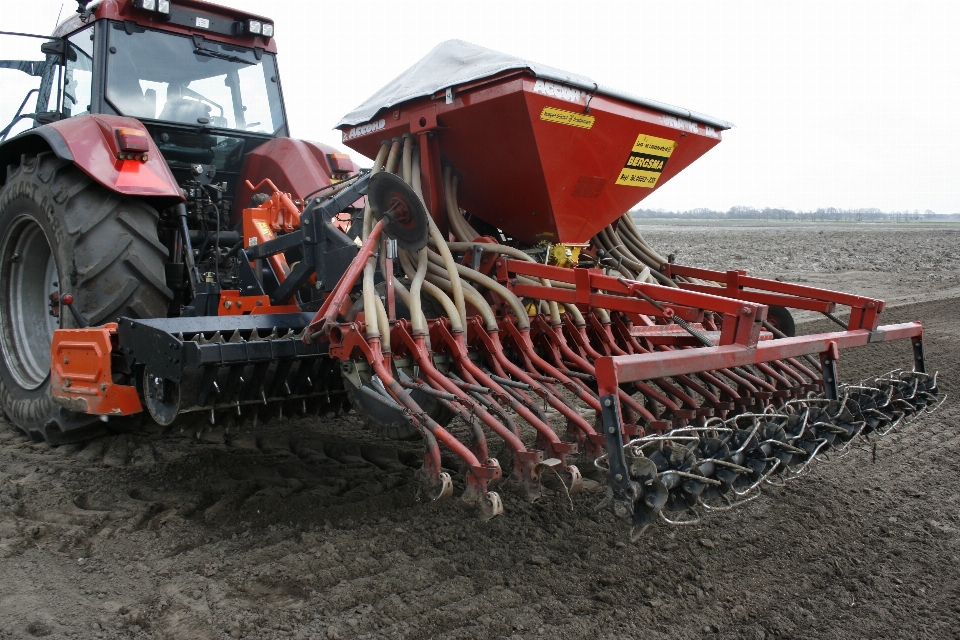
(479, 288)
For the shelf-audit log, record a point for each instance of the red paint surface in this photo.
(124, 10)
(297, 167)
(92, 140)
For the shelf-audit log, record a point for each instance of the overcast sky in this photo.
(840, 103)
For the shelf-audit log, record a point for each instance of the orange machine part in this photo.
(260, 224)
(233, 304)
(81, 375)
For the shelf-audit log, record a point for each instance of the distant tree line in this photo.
(824, 214)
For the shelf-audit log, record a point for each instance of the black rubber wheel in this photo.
(781, 320)
(61, 232)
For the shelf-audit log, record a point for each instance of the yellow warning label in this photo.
(646, 161)
(654, 146)
(552, 114)
(264, 228)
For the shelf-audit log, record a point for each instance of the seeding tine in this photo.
(493, 349)
(479, 473)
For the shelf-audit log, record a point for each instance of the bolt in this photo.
(103, 386)
(66, 361)
(227, 304)
(608, 402)
(66, 383)
(620, 510)
(259, 303)
(745, 311)
(618, 477)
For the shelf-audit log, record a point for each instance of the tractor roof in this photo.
(187, 17)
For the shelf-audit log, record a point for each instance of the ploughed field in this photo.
(313, 528)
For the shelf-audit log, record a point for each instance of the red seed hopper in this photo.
(549, 156)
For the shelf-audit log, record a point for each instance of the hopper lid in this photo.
(457, 62)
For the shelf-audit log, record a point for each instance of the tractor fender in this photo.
(92, 144)
(297, 167)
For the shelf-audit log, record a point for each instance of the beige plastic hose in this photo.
(406, 261)
(519, 255)
(462, 229)
(518, 309)
(406, 171)
(444, 251)
(372, 304)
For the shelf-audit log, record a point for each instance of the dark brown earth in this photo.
(314, 530)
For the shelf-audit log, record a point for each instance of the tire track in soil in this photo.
(314, 529)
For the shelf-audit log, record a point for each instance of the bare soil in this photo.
(313, 529)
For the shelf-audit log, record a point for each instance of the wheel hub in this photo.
(30, 285)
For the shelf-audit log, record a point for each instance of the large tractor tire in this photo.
(61, 232)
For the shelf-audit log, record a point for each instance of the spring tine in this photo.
(730, 504)
(280, 377)
(679, 523)
(207, 382)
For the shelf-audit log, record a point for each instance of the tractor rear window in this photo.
(161, 76)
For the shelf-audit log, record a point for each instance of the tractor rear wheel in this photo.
(61, 232)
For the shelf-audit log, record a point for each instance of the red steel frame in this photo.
(742, 302)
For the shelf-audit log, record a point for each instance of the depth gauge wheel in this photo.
(61, 232)
(781, 320)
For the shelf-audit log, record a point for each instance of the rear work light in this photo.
(133, 144)
(258, 28)
(159, 6)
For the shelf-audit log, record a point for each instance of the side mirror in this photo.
(46, 117)
(53, 47)
(58, 48)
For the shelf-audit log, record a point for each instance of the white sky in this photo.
(841, 103)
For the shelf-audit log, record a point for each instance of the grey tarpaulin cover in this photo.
(457, 62)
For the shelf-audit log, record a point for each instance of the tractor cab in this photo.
(201, 78)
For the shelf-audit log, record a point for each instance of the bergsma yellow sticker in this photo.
(552, 114)
(646, 162)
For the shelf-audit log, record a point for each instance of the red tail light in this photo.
(133, 143)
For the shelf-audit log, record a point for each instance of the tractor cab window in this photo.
(78, 74)
(161, 76)
(30, 78)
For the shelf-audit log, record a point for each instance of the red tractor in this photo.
(125, 197)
